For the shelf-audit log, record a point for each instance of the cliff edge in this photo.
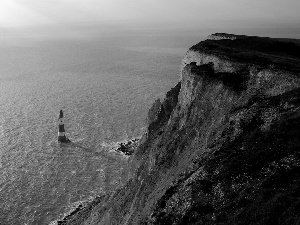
(222, 147)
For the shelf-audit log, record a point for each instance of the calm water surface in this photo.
(105, 90)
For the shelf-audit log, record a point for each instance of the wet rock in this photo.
(128, 147)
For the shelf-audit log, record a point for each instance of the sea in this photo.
(104, 85)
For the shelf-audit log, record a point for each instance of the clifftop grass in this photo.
(267, 52)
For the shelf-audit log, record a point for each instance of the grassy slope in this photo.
(282, 53)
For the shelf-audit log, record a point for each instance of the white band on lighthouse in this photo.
(61, 134)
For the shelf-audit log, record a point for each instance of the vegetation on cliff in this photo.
(263, 51)
(222, 147)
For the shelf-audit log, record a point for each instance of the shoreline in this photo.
(79, 212)
(81, 209)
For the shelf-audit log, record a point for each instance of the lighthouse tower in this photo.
(61, 129)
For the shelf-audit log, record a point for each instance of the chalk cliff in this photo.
(222, 147)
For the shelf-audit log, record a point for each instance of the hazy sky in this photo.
(78, 18)
(14, 13)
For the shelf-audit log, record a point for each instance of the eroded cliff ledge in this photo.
(222, 147)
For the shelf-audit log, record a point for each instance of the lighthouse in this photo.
(61, 129)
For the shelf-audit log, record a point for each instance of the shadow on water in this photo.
(113, 160)
(92, 151)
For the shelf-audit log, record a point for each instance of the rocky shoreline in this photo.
(128, 147)
(79, 213)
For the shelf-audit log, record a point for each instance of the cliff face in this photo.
(222, 147)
